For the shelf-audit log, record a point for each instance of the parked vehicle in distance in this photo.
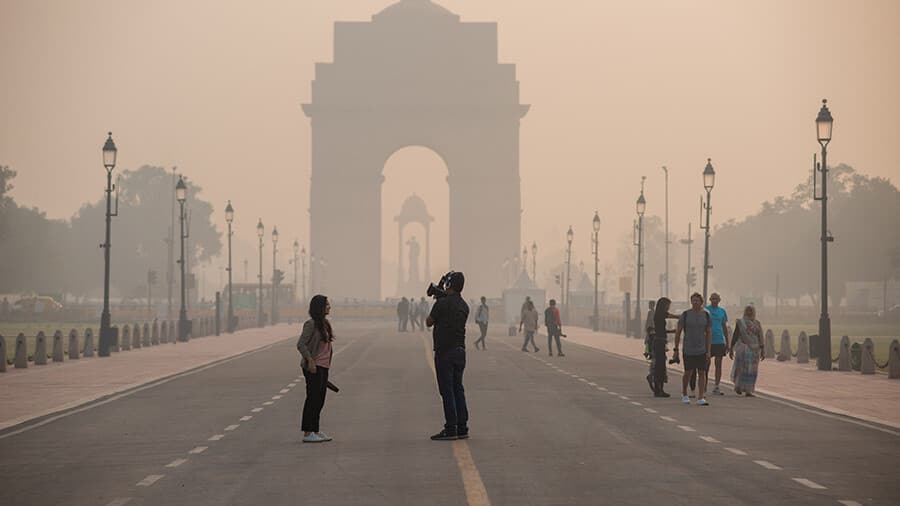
(36, 304)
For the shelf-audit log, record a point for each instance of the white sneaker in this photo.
(685, 399)
(325, 437)
(313, 438)
(702, 402)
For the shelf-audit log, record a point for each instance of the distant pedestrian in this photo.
(658, 376)
(696, 324)
(525, 306)
(719, 347)
(402, 314)
(482, 316)
(747, 350)
(413, 314)
(554, 328)
(422, 308)
(530, 322)
(448, 316)
(316, 351)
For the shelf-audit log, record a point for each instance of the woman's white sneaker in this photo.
(685, 399)
(325, 437)
(313, 438)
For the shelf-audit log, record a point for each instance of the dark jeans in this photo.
(529, 338)
(315, 398)
(551, 333)
(483, 327)
(659, 361)
(449, 366)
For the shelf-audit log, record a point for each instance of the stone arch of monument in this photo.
(414, 76)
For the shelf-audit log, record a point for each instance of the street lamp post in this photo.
(824, 124)
(296, 253)
(109, 161)
(640, 207)
(666, 290)
(569, 236)
(229, 217)
(534, 262)
(709, 180)
(260, 232)
(596, 223)
(303, 270)
(274, 275)
(688, 278)
(524, 261)
(181, 196)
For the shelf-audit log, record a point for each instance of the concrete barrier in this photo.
(2, 353)
(145, 335)
(867, 360)
(163, 333)
(40, 348)
(154, 334)
(893, 359)
(784, 354)
(21, 359)
(115, 345)
(173, 335)
(73, 345)
(770, 344)
(844, 354)
(125, 337)
(88, 350)
(58, 346)
(803, 349)
(136, 337)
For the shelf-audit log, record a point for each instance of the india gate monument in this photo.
(414, 76)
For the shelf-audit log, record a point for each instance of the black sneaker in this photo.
(462, 433)
(445, 435)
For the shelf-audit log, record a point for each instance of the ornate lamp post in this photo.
(303, 270)
(260, 232)
(274, 275)
(824, 124)
(229, 217)
(596, 223)
(640, 208)
(569, 236)
(183, 325)
(534, 262)
(524, 260)
(709, 180)
(109, 161)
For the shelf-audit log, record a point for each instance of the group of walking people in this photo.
(706, 342)
(411, 314)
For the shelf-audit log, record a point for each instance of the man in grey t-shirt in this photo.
(696, 325)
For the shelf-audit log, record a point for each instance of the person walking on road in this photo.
(422, 310)
(448, 317)
(719, 347)
(316, 351)
(482, 316)
(402, 314)
(413, 314)
(747, 353)
(554, 328)
(658, 376)
(695, 323)
(530, 322)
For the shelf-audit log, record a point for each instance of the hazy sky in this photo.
(617, 88)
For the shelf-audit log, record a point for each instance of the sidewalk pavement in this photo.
(38, 391)
(871, 398)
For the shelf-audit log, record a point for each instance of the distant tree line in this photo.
(43, 255)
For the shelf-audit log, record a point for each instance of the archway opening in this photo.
(414, 175)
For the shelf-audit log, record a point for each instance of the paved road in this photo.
(582, 429)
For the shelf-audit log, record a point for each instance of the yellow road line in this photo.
(476, 494)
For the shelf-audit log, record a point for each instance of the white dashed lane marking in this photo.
(686, 428)
(601, 388)
(232, 427)
(276, 397)
(624, 397)
(736, 451)
(847, 502)
(767, 465)
(176, 462)
(582, 380)
(153, 478)
(613, 393)
(668, 419)
(592, 384)
(245, 418)
(284, 390)
(809, 483)
(119, 501)
(268, 403)
(256, 410)
(710, 439)
(291, 385)
(198, 450)
(650, 410)
(636, 403)
(216, 437)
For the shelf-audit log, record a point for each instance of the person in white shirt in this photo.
(482, 315)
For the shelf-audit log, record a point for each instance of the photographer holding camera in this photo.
(448, 317)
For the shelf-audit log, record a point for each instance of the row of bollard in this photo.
(132, 337)
(847, 359)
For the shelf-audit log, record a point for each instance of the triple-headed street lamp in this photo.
(109, 161)
(569, 236)
(640, 208)
(596, 224)
(183, 324)
(709, 180)
(274, 275)
(824, 124)
(260, 232)
(229, 217)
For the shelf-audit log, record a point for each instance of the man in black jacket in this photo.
(448, 316)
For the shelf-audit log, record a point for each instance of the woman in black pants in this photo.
(315, 347)
(660, 340)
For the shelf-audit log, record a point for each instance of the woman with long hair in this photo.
(657, 376)
(749, 351)
(316, 350)
(530, 322)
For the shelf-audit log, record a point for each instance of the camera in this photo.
(439, 290)
(675, 360)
